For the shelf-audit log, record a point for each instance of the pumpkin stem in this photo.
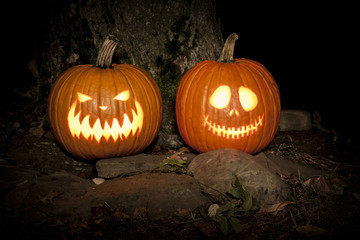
(228, 50)
(106, 52)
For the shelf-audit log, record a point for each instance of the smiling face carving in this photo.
(220, 99)
(229, 103)
(105, 129)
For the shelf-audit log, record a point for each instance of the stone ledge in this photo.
(295, 120)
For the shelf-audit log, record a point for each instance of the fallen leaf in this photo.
(312, 231)
(179, 152)
(236, 224)
(276, 207)
(50, 196)
(120, 215)
(140, 213)
(327, 184)
(176, 164)
(307, 182)
(182, 212)
(223, 224)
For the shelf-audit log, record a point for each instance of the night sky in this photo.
(305, 45)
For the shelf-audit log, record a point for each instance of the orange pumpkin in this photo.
(229, 103)
(104, 110)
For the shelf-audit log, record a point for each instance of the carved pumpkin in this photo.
(105, 110)
(229, 103)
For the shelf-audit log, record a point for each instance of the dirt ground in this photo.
(326, 207)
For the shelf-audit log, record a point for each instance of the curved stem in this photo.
(106, 52)
(228, 50)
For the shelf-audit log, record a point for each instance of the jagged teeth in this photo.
(97, 131)
(233, 132)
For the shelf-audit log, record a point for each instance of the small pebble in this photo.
(98, 181)
(213, 209)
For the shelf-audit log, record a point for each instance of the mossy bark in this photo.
(166, 38)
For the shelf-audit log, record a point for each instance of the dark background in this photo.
(309, 47)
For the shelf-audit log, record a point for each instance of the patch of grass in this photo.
(174, 165)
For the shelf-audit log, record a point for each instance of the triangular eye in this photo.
(221, 97)
(123, 96)
(83, 97)
(248, 99)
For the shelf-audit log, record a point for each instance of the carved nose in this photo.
(103, 107)
(234, 111)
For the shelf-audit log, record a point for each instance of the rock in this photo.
(295, 120)
(61, 195)
(46, 156)
(98, 181)
(114, 167)
(213, 209)
(11, 177)
(37, 131)
(280, 165)
(162, 194)
(169, 141)
(47, 196)
(214, 171)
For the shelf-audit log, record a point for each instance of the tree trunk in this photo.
(166, 38)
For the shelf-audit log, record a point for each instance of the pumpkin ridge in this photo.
(258, 81)
(184, 90)
(60, 87)
(261, 71)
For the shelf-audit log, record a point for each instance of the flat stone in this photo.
(295, 120)
(11, 176)
(280, 165)
(114, 167)
(214, 171)
(46, 156)
(63, 195)
(162, 194)
(46, 196)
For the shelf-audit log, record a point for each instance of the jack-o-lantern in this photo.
(105, 110)
(229, 103)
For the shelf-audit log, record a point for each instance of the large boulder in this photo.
(214, 171)
(162, 194)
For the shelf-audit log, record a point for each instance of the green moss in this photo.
(170, 73)
(168, 79)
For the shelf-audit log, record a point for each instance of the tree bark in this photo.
(166, 38)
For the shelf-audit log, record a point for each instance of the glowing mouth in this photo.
(115, 130)
(233, 133)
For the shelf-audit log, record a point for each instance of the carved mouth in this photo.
(234, 133)
(116, 131)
